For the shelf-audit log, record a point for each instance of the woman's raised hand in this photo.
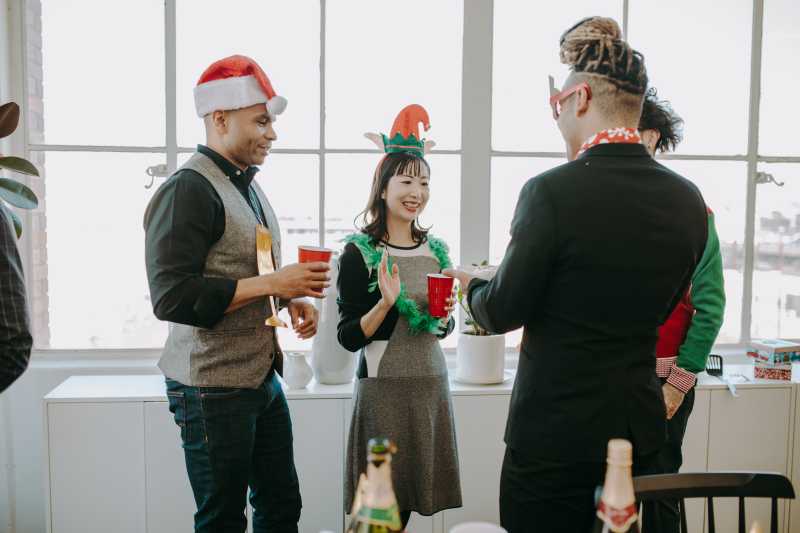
(388, 282)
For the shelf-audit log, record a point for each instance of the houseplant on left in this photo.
(12, 191)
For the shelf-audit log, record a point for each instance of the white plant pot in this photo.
(297, 372)
(481, 359)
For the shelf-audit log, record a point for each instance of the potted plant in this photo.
(480, 355)
(12, 191)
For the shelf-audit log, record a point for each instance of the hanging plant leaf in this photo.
(17, 223)
(9, 118)
(17, 194)
(17, 164)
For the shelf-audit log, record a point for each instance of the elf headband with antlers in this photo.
(404, 135)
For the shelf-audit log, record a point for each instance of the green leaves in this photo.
(9, 118)
(470, 320)
(17, 194)
(13, 192)
(17, 164)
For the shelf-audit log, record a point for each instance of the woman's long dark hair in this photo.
(375, 215)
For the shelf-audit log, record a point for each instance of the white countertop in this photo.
(151, 388)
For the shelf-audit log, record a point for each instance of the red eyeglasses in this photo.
(556, 96)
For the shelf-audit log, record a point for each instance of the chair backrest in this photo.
(712, 485)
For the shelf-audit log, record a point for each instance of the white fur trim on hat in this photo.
(234, 93)
(276, 105)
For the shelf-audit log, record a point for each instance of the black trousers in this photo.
(538, 495)
(663, 516)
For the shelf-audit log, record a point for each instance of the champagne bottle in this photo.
(616, 510)
(375, 505)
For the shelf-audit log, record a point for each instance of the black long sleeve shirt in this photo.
(184, 219)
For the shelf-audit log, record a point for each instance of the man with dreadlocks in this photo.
(602, 249)
(686, 338)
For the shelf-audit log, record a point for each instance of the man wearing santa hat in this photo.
(220, 360)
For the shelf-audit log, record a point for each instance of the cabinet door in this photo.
(319, 453)
(480, 424)
(170, 503)
(794, 506)
(695, 450)
(97, 473)
(749, 433)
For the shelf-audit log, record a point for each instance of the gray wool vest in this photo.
(240, 349)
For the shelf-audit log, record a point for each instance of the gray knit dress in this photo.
(406, 397)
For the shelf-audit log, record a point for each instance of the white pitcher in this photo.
(296, 371)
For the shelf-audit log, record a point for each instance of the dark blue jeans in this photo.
(234, 439)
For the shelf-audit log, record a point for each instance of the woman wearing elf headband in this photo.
(402, 391)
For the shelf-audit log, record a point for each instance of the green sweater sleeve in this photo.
(708, 299)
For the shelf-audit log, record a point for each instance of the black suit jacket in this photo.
(601, 250)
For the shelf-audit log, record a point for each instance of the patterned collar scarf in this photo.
(612, 135)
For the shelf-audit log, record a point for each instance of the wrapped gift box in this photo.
(774, 351)
(780, 372)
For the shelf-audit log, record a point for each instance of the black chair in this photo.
(712, 485)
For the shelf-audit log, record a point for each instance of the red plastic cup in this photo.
(440, 288)
(311, 254)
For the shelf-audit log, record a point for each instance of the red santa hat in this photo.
(233, 83)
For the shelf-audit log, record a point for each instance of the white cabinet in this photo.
(115, 463)
(480, 425)
(695, 447)
(118, 465)
(97, 467)
(170, 503)
(751, 432)
(318, 430)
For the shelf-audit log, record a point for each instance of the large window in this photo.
(96, 126)
(762, 272)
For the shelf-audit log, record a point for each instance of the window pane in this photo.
(348, 182)
(720, 40)
(288, 51)
(724, 188)
(723, 185)
(291, 183)
(98, 293)
(115, 99)
(509, 175)
(780, 46)
(526, 36)
(371, 73)
(776, 278)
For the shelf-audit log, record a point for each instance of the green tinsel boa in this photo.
(418, 321)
